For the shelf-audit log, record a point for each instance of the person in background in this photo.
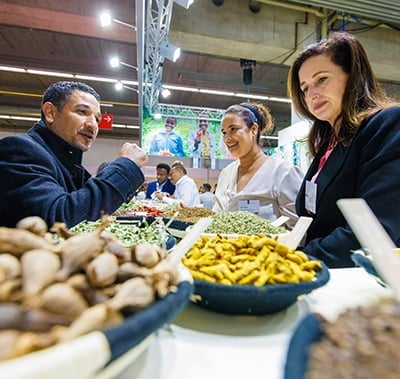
(201, 141)
(355, 142)
(186, 191)
(206, 196)
(43, 167)
(254, 182)
(168, 142)
(162, 183)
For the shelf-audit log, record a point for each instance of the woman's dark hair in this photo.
(363, 95)
(254, 113)
(59, 93)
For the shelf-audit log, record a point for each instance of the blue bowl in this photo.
(367, 264)
(307, 332)
(254, 300)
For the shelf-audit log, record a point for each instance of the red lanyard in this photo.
(323, 160)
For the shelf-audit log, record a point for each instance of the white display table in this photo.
(202, 344)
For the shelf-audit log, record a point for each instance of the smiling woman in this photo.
(254, 182)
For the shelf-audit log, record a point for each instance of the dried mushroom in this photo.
(55, 287)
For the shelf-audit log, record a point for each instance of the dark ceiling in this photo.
(65, 36)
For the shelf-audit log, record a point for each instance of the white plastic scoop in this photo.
(189, 240)
(279, 221)
(373, 236)
(298, 232)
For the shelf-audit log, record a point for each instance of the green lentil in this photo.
(242, 222)
(128, 235)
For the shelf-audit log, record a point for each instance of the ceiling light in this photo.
(135, 83)
(170, 51)
(49, 73)
(115, 62)
(12, 69)
(184, 3)
(119, 86)
(157, 113)
(217, 92)
(21, 118)
(106, 19)
(165, 92)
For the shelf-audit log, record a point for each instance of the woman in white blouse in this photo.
(255, 182)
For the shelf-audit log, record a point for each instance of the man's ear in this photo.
(49, 111)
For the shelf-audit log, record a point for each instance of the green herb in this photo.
(242, 222)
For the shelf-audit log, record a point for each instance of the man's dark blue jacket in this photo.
(167, 187)
(42, 175)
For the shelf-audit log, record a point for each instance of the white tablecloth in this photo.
(202, 344)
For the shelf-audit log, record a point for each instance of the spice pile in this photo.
(257, 260)
(55, 289)
(362, 343)
(242, 222)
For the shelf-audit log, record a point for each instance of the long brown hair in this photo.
(363, 95)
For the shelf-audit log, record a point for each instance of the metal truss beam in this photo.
(158, 20)
(190, 112)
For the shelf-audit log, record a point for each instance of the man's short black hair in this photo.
(59, 93)
(207, 187)
(163, 166)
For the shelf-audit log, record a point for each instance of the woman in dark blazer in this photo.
(355, 142)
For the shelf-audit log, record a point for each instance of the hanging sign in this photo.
(106, 121)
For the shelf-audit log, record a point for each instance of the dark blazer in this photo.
(152, 187)
(42, 175)
(368, 168)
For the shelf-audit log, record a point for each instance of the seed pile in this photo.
(242, 222)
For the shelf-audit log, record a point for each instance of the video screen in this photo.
(180, 136)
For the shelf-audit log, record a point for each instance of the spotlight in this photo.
(184, 3)
(170, 51)
(115, 62)
(106, 19)
(119, 86)
(157, 114)
(165, 92)
(247, 66)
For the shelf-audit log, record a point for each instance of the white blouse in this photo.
(274, 185)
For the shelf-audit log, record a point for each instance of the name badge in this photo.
(252, 206)
(311, 197)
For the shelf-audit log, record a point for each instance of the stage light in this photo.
(165, 92)
(119, 86)
(184, 3)
(106, 19)
(247, 66)
(170, 51)
(115, 62)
